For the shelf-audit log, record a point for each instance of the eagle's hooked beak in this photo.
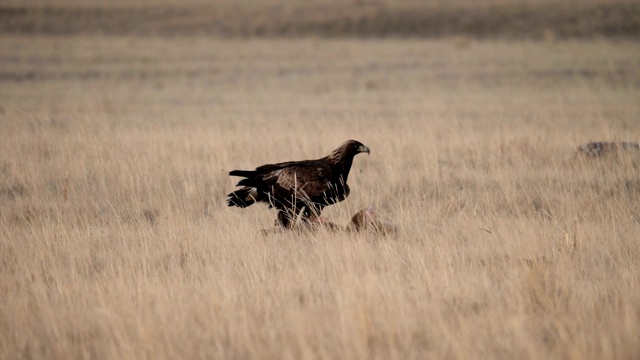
(365, 149)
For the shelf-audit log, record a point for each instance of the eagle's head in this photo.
(345, 152)
(353, 148)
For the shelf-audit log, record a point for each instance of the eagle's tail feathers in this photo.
(246, 182)
(243, 173)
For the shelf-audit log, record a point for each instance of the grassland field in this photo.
(116, 241)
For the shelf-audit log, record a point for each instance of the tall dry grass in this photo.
(116, 241)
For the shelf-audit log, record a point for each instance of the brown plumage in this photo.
(298, 188)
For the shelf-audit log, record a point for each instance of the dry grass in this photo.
(115, 241)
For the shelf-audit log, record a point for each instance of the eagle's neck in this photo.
(342, 162)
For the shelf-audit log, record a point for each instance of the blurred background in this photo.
(514, 19)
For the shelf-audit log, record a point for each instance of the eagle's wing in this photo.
(303, 181)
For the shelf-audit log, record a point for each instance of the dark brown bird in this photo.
(298, 188)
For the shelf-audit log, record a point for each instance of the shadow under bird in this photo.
(298, 189)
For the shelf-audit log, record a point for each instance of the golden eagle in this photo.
(298, 188)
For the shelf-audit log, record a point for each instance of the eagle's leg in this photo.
(284, 219)
(313, 217)
(318, 221)
(312, 214)
(287, 218)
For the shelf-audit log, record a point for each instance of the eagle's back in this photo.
(309, 181)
